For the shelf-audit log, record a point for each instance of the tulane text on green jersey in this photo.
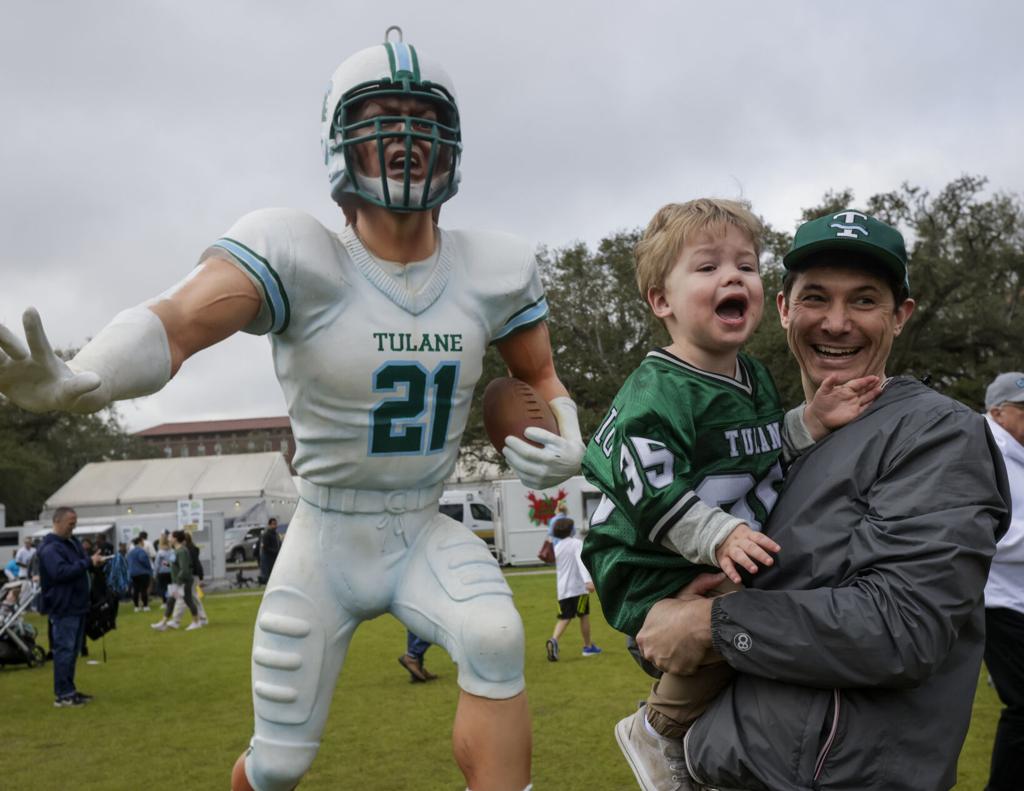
(682, 457)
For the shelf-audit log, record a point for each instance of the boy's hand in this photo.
(835, 404)
(747, 548)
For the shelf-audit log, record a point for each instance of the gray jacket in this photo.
(859, 651)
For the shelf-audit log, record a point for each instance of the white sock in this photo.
(650, 728)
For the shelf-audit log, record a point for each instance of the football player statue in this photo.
(378, 335)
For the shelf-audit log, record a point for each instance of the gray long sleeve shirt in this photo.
(858, 652)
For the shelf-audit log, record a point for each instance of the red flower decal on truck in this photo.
(542, 508)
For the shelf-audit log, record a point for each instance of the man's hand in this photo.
(97, 558)
(747, 548)
(677, 632)
(835, 404)
(36, 379)
(540, 468)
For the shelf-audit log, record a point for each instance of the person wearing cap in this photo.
(1004, 593)
(858, 652)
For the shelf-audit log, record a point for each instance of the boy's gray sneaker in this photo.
(659, 764)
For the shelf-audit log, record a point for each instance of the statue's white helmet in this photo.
(389, 70)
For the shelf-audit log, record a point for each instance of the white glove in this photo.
(560, 456)
(35, 378)
(128, 358)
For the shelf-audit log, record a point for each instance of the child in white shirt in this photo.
(573, 588)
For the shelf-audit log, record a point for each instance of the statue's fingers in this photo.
(11, 344)
(38, 343)
(525, 450)
(78, 385)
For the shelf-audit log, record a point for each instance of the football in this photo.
(510, 407)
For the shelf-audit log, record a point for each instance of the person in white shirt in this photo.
(574, 587)
(23, 557)
(1004, 593)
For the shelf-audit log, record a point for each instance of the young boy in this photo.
(573, 587)
(688, 456)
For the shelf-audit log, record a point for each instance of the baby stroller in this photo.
(17, 638)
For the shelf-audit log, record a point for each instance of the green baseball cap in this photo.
(851, 231)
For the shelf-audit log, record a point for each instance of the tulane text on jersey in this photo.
(425, 342)
(754, 439)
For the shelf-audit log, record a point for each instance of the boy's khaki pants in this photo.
(676, 701)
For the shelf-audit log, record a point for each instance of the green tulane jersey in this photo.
(378, 361)
(682, 457)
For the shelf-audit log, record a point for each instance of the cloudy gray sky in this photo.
(134, 133)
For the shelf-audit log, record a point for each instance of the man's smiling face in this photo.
(841, 320)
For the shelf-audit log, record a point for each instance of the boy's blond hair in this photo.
(667, 232)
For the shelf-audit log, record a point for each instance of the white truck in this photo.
(514, 519)
(474, 507)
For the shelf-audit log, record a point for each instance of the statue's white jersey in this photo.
(377, 361)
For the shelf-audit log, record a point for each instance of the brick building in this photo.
(222, 437)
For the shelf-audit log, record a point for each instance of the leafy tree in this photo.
(601, 327)
(41, 452)
(967, 275)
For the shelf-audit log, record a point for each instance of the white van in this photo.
(470, 509)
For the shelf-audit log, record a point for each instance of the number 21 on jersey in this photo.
(414, 420)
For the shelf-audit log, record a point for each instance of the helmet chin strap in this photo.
(396, 189)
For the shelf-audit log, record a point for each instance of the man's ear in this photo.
(783, 307)
(903, 314)
(658, 302)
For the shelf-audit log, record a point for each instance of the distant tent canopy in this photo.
(80, 531)
(150, 481)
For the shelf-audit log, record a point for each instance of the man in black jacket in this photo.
(270, 545)
(63, 570)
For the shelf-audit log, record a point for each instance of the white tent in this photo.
(81, 531)
(230, 484)
(143, 494)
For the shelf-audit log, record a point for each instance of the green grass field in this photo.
(172, 710)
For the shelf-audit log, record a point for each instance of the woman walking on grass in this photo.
(181, 586)
(197, 576)
(164, 556)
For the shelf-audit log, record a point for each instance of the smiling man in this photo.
(858, 652)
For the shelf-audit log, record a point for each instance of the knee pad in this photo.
(491, 650)
(277, 766)
(462, 563)
(287, 655)
(452, 581)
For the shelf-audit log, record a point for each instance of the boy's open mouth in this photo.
(731, 308)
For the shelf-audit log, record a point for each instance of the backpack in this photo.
(117, 574)
(102, 617)
(197, 564)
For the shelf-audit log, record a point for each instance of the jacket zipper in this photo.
(689, 766)
(827, 746)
